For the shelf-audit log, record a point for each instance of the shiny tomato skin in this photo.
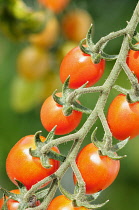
(98, 171)
(52, 114)
(123, 118)
(133, 62)
(62, 203)
(80, 68)
(11, 204)
(20, 165)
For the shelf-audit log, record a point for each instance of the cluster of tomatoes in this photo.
(36, 76)
(98, 171)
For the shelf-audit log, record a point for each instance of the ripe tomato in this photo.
(11, 204)
(20, 165)
(63, 203)
(80, 68)
(55, 6)
(48, 36)
(75, 24)
(97, 171)
(51, 114)
(133, 62)
(33, 63)
(123, 118)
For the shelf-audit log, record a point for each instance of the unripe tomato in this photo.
(98, 171)
(133, 62)
(48, 36)
(20, 165)
(62, 203)
(75, 24)
(80, 68)
(123, 118)
(33, 63)
(55, 5)
(11, 204)
(51, 115)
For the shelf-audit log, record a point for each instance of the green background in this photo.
(108, 16)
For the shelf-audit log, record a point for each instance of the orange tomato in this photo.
(55, 5)
(48, 36)
(75, 24)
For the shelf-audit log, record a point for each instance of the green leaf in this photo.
(108, 57)
(80, 108)
(89, 40)
(56, 156)
(91, 206)
(119, 145)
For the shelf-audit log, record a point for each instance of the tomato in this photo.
(33, 63)
(52, 114)
(75, 24)
(11, 204)
(20, 165)
(55, 6)
(80, 68)
(123, 118)
(49, 34)
(97, 171)
(62, 203)
(133, 62)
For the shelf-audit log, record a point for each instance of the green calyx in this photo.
(69, 106)
(81, 200)
(110, 151)
(45, 157)
(96, 54)
(17, 20)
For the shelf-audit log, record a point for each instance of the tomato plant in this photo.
(123, 118)
(75, 24)
(80, 68)
(63, 203)
(20, 165)
(51, 115)
(33, 63)
(98, 171)
(133, 62)
(55, 6)
(11, 204)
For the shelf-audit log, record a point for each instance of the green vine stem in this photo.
(96, 113)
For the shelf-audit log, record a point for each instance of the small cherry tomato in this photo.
(80, 68)
(55, 5)
(33, 63)
(123, 118)
(133, 62)
(48, 36)
(51, 115)
(11, 204)
(20, 165)
(62, 203)
(75, 24)
(98, 171)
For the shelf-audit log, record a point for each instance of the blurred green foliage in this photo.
(108, 16)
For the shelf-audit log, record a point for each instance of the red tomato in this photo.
(20, 165)
(80, 68)
(63, 203)
(11, 204)
(97, 171)
(52, 114)
(55, 5)
(133, 62)
(123, 118)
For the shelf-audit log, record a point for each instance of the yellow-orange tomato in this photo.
(133, 62)
(55, 5)
(75, 24)
(48, 36)
(22, 166)
(33, 63)
(63, 203)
